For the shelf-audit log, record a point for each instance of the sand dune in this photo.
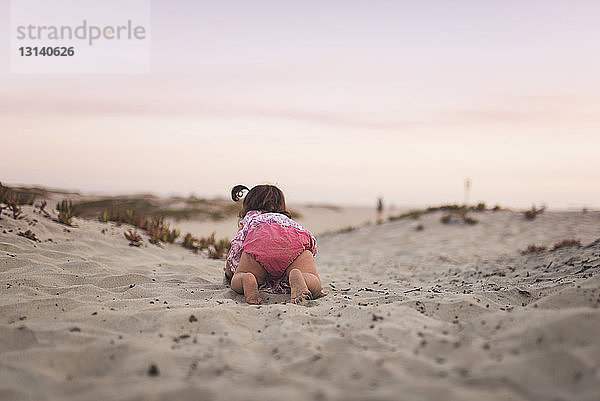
(449, 312)
(320, 219)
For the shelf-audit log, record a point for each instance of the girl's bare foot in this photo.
(251, 289)
(299, 289)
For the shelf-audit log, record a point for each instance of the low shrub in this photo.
(532, 248)
(216, 249)
(566, 243)
(219, 249)
(29, 235)
(66, 212)
(458, 216)
(134, 238)
(42, 208)
(532, 213)
(452, 209)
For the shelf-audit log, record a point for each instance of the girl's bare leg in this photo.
(245, 283)
(303, 277)
(247, 277)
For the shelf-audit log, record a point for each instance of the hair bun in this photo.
(237, 192)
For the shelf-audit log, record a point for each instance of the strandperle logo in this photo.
(85, 31)
(80, 36)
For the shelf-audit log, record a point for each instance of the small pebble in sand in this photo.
(153, 370)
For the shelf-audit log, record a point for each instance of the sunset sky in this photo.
(334, 101)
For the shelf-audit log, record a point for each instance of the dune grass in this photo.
(13, 198)
(454, 212)
(532, 213)
(175, 208)
(216, 249)
(565, 243)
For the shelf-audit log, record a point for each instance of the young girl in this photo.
(271, 249)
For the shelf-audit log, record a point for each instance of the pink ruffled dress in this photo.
(274, 241)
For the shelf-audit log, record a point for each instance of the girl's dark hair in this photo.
(267, 198)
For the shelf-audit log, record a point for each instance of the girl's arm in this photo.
(235, 250)
(228, 263)
(228, 274)
(227, 268)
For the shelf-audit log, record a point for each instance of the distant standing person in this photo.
(379, 210)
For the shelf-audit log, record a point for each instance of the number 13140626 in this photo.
(46, 51)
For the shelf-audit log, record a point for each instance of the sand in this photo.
(448, 312)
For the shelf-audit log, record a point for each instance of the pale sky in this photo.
(334, 101)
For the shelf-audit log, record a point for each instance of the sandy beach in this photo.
(413, 310)
(409, 137)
